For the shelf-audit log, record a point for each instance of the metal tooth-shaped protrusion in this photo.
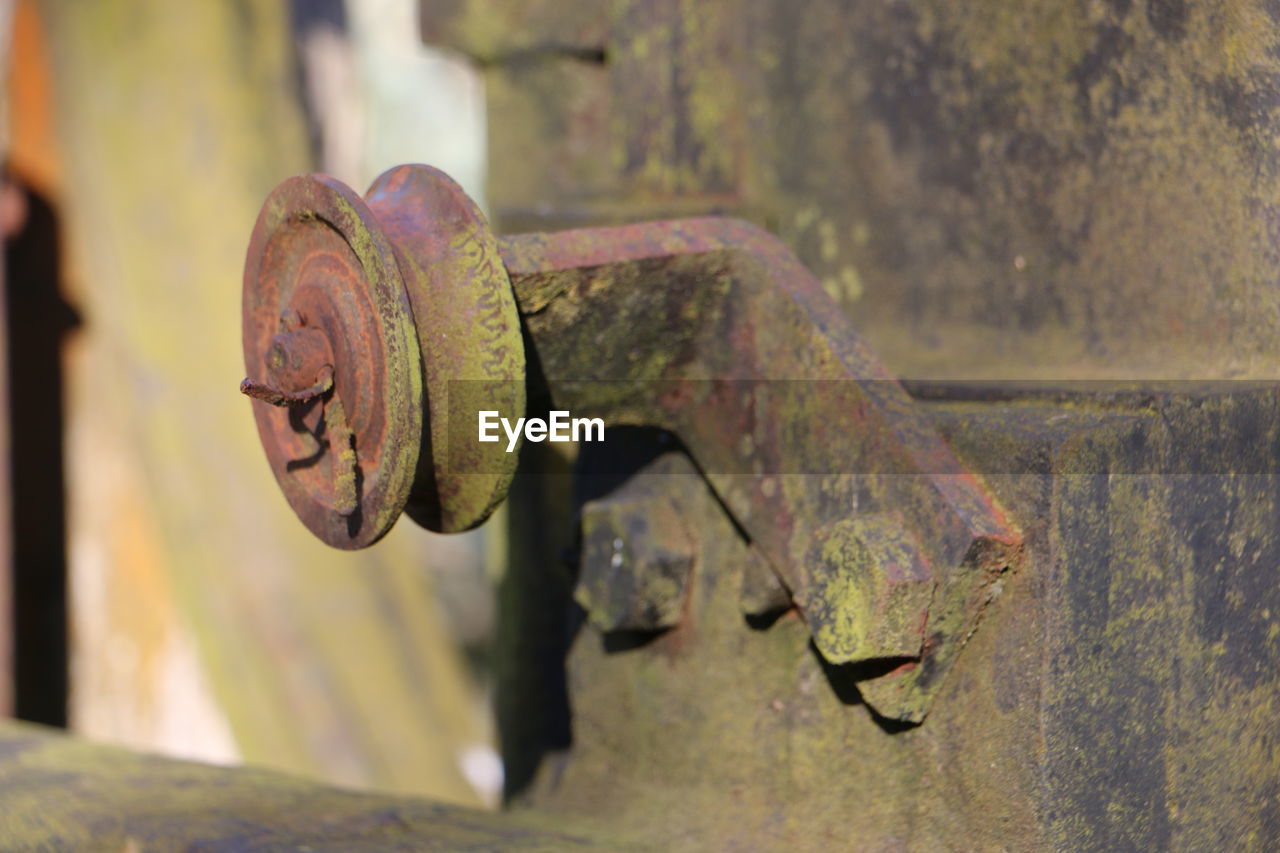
(636, 562)
(871, 590)
(763, 594)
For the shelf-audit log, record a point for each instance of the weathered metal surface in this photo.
(763, 595)
(889, 548)
(366, 323)
(769, 320)
(1030, 189)
(636, 555)
(1120, 695)
(1004, 190)
(318, 265)
(469, 334)
(739, 736)
(1156, 602)
(711, 329)
(60, 794)
(875, 585)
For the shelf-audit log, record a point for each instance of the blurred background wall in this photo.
(165, 596)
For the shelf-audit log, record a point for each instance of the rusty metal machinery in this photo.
(824, 607)
(357, 315)
(707, 328)
(996, 571)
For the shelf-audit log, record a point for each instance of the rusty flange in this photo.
(359, 319)
(469, 332)
(345, 456)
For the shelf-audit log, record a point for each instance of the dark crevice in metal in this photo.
(617, 642)
(844, 679)
(765, 621)
(543, 53)
(538, 624)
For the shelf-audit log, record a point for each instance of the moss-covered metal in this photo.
(469, 336)
(997, 190)
(710, 328)
(411, 294)
(636, 554)
(898, 562)
(57, 793)
(318, 256)
(877, 584)
(1120, 693)
(1039, 187)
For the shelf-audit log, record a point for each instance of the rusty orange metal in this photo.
(365, 322)
(709, 328)
(318, 262)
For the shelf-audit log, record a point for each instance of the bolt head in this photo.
(870, 592)
(636, 563)
(295, 359)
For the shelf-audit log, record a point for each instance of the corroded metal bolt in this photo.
(299, 365)
(299, 369)
(872, 590)
(636, 562)
(295, 358)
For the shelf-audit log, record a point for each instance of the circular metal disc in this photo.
(318, 256)
(472, 349)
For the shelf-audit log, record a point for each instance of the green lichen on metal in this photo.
(872, 590)
(321, 256)
(740, 735)
(710, 328)
(1119, 690)
(471, 350)
(1019, 190)
(1054, 187)
(957, 610)
(1162, 525)
(61, 794)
